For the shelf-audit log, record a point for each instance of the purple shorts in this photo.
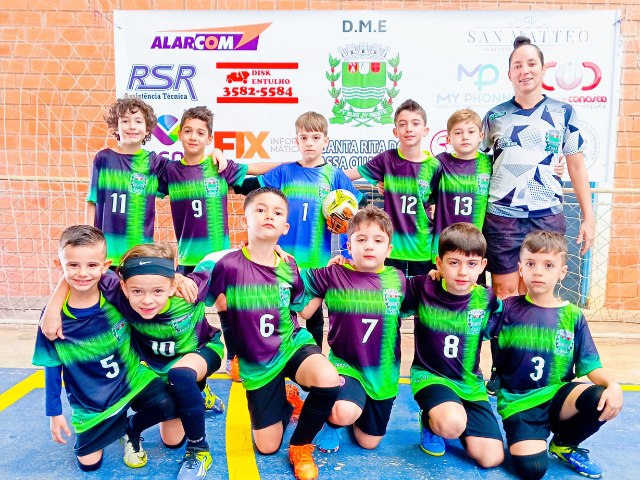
(505, 236)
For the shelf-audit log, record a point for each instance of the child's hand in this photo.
(435, 275)
(380, 187)
(219, 159)
(610, 402)
(51, 326)
(339, 260)
(58, 425)
(558, 168)
(282, 254)
(186, 288)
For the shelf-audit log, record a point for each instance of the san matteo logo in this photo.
(167, 129)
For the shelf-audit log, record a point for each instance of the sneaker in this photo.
(301, 457)
(328, 439)
(212, 402)
(293, 397)
(233, 369)
(493, 384)
(195, 464)
(430, 442)
(134, 455)
(578, 458)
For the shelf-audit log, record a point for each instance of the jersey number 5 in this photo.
(113, 367)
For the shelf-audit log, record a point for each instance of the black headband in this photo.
(147, 266)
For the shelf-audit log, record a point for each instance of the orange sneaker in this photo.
(293, 397)
(233, 369)
(301, 457)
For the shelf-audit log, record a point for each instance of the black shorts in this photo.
(481, 422)
(268, 404)
(213, 363)
(538, 422)
(411, 268)
(114, 427)
(375, 413)
(505, 235)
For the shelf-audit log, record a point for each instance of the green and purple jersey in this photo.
(460, 191)
(449, 330)
(540, 349)
(364, 323)
(308, 239)
(407, 187)
(180, 328)
(102, 373)
(124, 189)
(199, 211)
(261, 306)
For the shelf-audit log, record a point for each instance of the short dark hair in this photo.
(462, 237)
(122, 106)
(371, 214)
(251, 196)
(411, 106)
(541, 241)
(81, 236)
(200, 112)
(521, 41)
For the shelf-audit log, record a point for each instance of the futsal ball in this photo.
(340, 202)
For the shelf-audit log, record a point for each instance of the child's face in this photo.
(266, 217)
(410, 129)
(132, 128)
(460, 271)
(369, 246)
(83, 266)
(195, 137)
(148, 294)
(541, 271)
(465, 138)
(526, 72)
(311, 145)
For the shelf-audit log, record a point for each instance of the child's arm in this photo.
(90, 213)
(311, 307)
(261, 168)
(580, 181)
(53, 405)
(218, 158)
(612, 399)
(51, 321)
(353, 174)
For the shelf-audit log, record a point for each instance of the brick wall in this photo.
(57, 74)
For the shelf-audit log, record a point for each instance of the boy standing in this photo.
(260, 291)
(406, 174)
(363, 299)
(103, 375)
(306, 183)
(452, 317)
(541, 342)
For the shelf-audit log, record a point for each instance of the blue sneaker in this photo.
(578, 458)
(328, 439)
(430, 442)
(212, 402)
(195, 464)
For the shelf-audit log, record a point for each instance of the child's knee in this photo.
(489, 458)
(267, 446)
(531, 467)
(449, 426)
(90, 462)
(366, 441)
(344, 413)
(588, 400)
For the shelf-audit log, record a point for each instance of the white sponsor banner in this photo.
(259, 70)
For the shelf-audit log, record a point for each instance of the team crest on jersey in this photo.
(119, 331)
(564, 343)
(181, 324)
(363, 84)
(495, 115)
(474, 321)
(424, 190)
(553, 138)
(284, 289)
(138, 183)
(483, 183)
(323, 191)
(391, 298)
(212, 187)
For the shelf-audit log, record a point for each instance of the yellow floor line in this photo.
(241, 458)
(15, 393)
